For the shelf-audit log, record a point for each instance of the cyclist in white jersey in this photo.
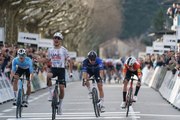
(58, 57)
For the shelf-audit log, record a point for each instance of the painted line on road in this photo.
(82, 113)
(158, 115)
(70, 118)
(1, 114)
(132, 113)
(38, 97)
(7, 110)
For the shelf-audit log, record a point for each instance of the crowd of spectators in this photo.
(170, 60)
(7, 53)
(173, 10)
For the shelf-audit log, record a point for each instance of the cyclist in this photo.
(93, 65)
(25, 67)
(131, 67)
(58, 57)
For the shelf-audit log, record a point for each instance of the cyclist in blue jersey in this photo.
(93, 65)
(22, 65)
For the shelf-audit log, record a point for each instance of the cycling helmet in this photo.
(22, 52)
(92, 55)
(58, 34)
(130, 61)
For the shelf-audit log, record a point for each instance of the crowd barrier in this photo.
(167, 83)
(6, 91)
(38, 82)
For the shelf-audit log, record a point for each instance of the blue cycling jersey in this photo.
(27, 63)
(92, 67)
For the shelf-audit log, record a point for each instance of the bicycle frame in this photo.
(95, 97)
(55, 101)
(20, 96)
(129, 98)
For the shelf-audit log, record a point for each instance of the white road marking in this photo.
(38, 97)
(7, 110)
(71, 116)
(1, 114)
(158, 115)
(132, 113)
(84, 116)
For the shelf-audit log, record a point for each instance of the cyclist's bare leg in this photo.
(28, 92)
(88, 86)
(138, 85)
(100, 88)
(49, 83)
(15, 81)
(61, 88)
(49, 76)
(125, 83)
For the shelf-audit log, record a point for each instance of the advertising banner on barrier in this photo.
(5, 95)
(176, 88)
(1, 92)
(177, 100)
(42, 77)
(35, 82)
(166, 87)
(9, 88)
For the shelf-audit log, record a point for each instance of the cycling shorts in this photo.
(21, 72)
(60, 73)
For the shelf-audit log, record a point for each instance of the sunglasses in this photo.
(21, 56)
(57, 38)
(92, 60)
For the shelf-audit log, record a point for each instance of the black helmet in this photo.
(92, 55)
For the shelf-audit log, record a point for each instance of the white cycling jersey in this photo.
(58, 57)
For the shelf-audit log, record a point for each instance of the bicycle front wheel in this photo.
(19, 104)
(95, 101)
(128, 101)
(54, 104)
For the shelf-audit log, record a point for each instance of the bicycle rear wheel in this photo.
(54, 104)
(19, 104)
(95, 101)
(128, 101)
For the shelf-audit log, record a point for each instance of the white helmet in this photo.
(130, 61)
(21, 52)
(58, 34)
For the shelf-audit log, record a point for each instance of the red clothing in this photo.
(136, 67)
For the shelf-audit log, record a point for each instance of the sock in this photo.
(89, 89)
(137, 90)
(50, 90)
(15, 94)
(27, 97)
(60, 102)
(102, 101)
(124, 96)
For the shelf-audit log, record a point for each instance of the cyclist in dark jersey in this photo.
(93, 65)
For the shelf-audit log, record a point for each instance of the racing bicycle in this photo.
(129, 97)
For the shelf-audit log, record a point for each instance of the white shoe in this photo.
(90, 95)
(135, 98)
(50, 98)
(102, 108)
(59, 110)
(123, 104)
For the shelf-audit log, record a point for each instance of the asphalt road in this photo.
(77, 106)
